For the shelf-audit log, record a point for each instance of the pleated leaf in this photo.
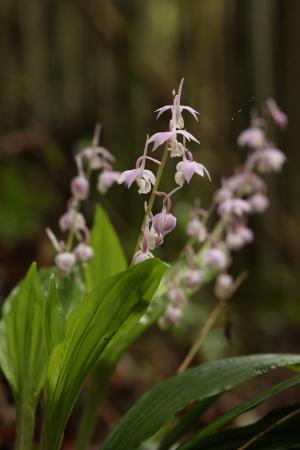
(108, 257)
(163, 401)
(88, 331)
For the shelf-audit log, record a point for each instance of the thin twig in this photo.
(209, 323)
(271, 427)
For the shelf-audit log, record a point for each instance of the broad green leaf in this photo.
(195, 441)
(163, 401)
(130, 330)
(71, 290)
(108, 257)
(54, 317)
(88, 330)
(23, 351)
(284, 436)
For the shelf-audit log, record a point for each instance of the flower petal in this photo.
(187, 135)
(163, 109)
(191, 111)
(160, 138)
(150, 176)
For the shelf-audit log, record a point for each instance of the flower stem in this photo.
(25, 426)
(215, 313)
(153, 193)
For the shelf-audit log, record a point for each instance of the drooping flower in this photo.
(106, 179)
(258, 203)
(83, 252)
(253, 137)
(164, 136)
(164, 222)
(223, 285)
(72, 220)
(194, 277)
(236, 206)
(238, 236)
(176, 297)
(267, 160)
(186, 168)
(214, 258)
(143, 177)
(279, 117)
(65, 261)
(196, 229)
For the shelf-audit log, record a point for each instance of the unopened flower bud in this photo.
(176, 297)
(223, 285)
(106, 179)
(83, 252)
(172, 314)
(65, 261)
(194, 278)
(164, 222)
(80, 187)
(196, 229)
(72, 219)
(258, 202)
(215, 258)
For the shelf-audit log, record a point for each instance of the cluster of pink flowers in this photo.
(75, 247)
(240, 196)
(155, 227)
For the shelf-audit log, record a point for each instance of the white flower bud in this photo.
(83, 252)
(65, 261)
(223, 285)
(80, 187)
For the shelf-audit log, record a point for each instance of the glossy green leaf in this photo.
(284, 436)
(55, 317)
(108, 257)
(195, 441)
(163, 401)
(88, 331)
(23, 351)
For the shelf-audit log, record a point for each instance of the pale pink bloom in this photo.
(238, 237)
(83, 252)
(196, 229)
(176, 148)
(279, 117)
(236, 206)
(177, 109)
(106, 179)
(147, 243)
(164, 222)
(244, 183)
(80, 187)
(185, 170)
(258, 203)
(65, 261)
(222, 194)
(164, 136)
(252, 137)
(194, 278)
(223, 285)
(72, 219)
(172, 315)
(214, 258)
(143, 178)
(176, 297)
(267, 160)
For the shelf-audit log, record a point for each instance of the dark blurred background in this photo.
(66, 65)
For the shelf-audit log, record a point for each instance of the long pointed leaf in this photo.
(168, 397)
(88, 331)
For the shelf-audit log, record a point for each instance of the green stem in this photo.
(25, 426)
(89, 415)
(153, 193)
